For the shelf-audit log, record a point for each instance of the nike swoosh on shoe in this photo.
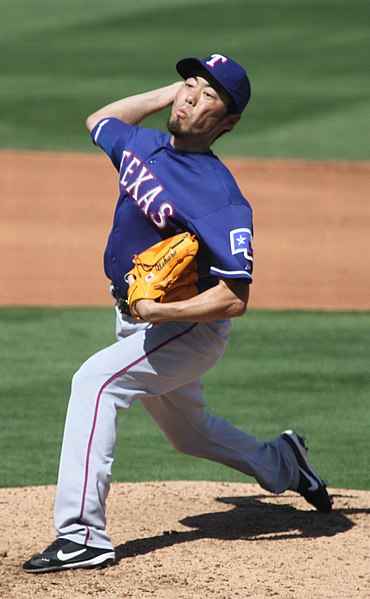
(64, 557)
(314, 484)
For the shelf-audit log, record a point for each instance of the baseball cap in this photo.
(230, 75)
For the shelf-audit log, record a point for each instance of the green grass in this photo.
(308, 61)
(304, 370)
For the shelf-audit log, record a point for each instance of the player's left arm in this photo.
(228, 299)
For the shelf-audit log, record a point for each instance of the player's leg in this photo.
(147, 362)
(277, 465)
(181, 415)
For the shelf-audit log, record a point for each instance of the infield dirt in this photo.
(192, 540)
(197, 540)
(312, 223)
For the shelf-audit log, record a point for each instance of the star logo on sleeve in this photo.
(241, 242)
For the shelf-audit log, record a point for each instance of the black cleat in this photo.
(310, 485)
(64, 554)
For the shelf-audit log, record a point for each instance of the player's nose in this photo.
(191, 98)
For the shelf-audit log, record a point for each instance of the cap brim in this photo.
(187, 66)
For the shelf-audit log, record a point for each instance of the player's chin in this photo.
(175, 127)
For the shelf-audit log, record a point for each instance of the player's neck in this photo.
(190, 144)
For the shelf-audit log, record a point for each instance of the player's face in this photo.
(198, 115)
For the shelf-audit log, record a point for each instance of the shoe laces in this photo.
(56, 545)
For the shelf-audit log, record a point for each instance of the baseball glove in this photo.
(165, 272)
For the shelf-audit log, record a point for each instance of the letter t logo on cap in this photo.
(216, 58)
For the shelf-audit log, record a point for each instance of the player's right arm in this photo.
(133, 109)
(228, 299)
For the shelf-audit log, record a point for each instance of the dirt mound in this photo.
(197, 540)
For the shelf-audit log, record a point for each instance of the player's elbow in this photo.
(89, 123)
(237, 297)
(92, 120)
(238, 308)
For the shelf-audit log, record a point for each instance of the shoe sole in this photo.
(97, 562)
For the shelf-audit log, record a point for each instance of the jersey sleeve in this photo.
(110, 135)
(227, 237)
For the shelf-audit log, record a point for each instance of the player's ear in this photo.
(230, 121)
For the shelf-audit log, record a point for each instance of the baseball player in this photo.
(168, 184)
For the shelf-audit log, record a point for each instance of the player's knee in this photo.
(82, 377)
(184, 445)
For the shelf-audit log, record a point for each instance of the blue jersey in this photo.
(163, 191)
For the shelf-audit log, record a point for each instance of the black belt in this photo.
(121, 302)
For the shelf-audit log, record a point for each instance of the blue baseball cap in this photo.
(230, 75)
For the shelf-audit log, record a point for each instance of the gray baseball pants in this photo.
(160, 366)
